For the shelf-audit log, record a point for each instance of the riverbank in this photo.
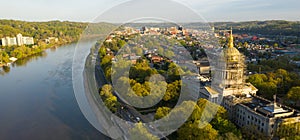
(37, 50)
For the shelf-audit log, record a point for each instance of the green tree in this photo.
(111, 103)
(173, 90)
(198, 127)
(240, 44)
(229, 136)
(141, 72)
(162, 112)
(102, 52)
(140, 132)
(121, 43)
(109, 99)
(290, 131)
(106, 91)
(4, 57)
(140, 90)
(268, 89)
(192, 131)
(173, 72)
(294, 93)
(246, 44)
(224, 126)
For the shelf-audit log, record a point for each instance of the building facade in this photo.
(9, 41)
(28, 41)
(19, 40)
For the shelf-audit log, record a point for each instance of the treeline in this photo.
(281, 62)
(279, 82)
(272, 27)
(64, 30)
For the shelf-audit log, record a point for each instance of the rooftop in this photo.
(270, 109)
(210, 90)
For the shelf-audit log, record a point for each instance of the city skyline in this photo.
(211, 11)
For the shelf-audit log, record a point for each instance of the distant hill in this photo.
(271, 28)
(70, 31)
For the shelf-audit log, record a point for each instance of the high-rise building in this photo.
(9, 41)
(19, 40)
(253, 113)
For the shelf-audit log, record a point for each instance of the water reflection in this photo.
(24, 61)
(6, 69)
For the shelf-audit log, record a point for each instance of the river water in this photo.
(37, 100)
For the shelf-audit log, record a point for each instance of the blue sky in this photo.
(211, 10)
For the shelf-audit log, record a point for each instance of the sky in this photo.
(210, 10)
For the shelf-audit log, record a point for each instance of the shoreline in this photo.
(42, 50)
(49, 46)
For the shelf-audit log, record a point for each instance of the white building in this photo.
(9, 41)
(28, 40)
(19, 40)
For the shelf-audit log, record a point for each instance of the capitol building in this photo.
(247, 110)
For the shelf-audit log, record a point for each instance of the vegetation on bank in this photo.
(64, 31)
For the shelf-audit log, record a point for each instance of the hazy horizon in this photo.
(211, 11)
(147, 22)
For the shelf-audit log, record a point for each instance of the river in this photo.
(37, 100)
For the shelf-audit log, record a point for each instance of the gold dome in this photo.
(231, 53)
